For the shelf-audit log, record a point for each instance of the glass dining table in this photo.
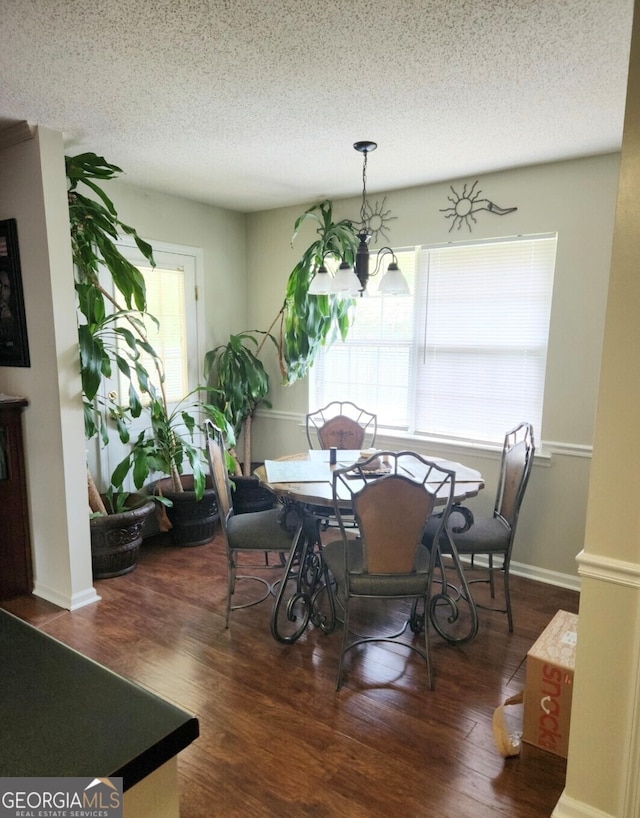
(303, 485)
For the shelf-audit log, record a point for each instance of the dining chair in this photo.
(253, 532)
(392, 496)
(493, 537)
(341, 424)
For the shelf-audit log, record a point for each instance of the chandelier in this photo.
(352, 281)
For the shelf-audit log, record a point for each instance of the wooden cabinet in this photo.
(16, 577)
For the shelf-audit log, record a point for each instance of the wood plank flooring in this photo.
(277, 739)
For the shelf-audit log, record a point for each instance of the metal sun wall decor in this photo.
(375, 220)
(464, 205)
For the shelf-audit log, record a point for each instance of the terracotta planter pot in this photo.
(193, 521)
(116, 539)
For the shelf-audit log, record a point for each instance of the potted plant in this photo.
(116, 537)
(169, 440)
(107, 343)
(112, 337)
(239, 384)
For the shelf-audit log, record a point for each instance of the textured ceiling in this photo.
(253, 104)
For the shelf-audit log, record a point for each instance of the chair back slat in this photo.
(220, 475)
(341, 424)
(393, 495)
(391, 514)
(517, 460)
(341, 432)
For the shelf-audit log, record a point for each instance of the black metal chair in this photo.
(253, 532)
(392, 496)
(341, 424)
(493, 537)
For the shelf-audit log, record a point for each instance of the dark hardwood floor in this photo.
(277, 739)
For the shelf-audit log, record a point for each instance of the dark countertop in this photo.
(62, 714)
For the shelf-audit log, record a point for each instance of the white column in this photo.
(604, 751)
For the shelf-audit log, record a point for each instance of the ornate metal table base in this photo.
(305, 585)
(305, 582)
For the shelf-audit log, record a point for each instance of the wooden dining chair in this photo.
(392, 495)
(255, 532)
(341, 424)
(491, 537)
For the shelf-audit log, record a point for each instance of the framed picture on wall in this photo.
(14, 343)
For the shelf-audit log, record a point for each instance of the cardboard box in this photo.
(549, 685)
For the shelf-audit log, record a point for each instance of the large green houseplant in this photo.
(107, 344)
(309, 322)
(112, 337)
(108, 331)
(169, 440)
(304, 324)
(239, 384)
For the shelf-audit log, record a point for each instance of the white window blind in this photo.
(166, 302)
(464, 356)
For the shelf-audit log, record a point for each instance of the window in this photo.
(464, 357)
(171, 298)
(166, 302)
(170, 287)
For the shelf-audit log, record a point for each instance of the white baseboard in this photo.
(520, 569)
(70, 603)
(569, 581)
(568, 807)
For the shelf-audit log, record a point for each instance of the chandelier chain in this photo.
(363, 206)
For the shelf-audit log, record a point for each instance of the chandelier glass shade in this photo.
(344, 282)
